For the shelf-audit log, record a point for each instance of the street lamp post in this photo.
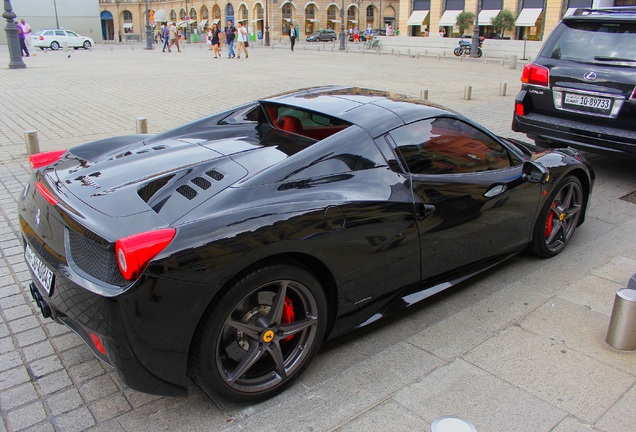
(57, 22)
(148, 30)
(15, 52)
(342, 28)
(475, 41)
(266, 22)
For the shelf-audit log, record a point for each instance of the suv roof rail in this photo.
(605, 11)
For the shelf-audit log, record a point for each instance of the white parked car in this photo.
(55, 38)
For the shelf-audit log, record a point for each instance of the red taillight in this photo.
(43, 159)
(519, 109)
(634, 94)
(535, 74)
(41, 37)
(136, 251)
(97, 343)
(45, 193)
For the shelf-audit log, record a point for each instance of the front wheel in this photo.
(87, 45)
(458, 51)
(558, 218)
(261, 334)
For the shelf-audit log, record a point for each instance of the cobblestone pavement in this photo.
(520, 348)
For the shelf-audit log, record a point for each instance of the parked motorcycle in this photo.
(465, 47)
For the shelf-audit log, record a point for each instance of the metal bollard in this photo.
(513, 62)
(502, 88)
(621, 333)
(468, 91)
(142, 125)
(32, 142)
(424, 94)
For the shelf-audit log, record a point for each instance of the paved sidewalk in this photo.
(520, 348)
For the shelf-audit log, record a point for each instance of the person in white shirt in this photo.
(26, 28)
(241, 38)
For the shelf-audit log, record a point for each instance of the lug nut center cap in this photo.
(268, 336)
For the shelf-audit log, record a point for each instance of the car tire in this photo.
(55, 46)
(333, 39)
(558, 218)
(87, 45)
(260, 334)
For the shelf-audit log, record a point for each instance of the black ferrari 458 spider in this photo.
(228, 249)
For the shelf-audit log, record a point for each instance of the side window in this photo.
(448, 146)
(60, 33)
(70, 33)
(48, 33)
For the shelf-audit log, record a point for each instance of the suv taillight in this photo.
(535, 74)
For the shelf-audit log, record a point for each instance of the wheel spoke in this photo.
(249, 329)
(568, 197)
(296, 326)
(252, 355)
(277, 356)
(555, 231)
(276, 312)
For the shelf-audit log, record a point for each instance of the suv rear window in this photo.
(594, 42)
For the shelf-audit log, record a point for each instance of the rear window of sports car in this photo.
(303, 122)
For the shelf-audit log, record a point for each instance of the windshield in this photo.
(594, 42)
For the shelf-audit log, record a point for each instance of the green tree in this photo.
(464, 20)
(504, 20)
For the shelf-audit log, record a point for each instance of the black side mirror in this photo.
(534, 172)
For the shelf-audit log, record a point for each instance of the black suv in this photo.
(581, 89)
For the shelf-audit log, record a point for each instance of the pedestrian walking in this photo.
(230, 35)
(216, 40)
(356, 34)
(23, 49)
(165, 34)
(174, 37)
(292, 36)
(28, 39)
(242, 39)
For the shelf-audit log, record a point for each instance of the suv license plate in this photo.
(42, 273)
(588, 101)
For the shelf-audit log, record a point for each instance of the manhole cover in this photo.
(451, 424)
(630, 197)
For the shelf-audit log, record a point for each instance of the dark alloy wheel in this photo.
(261, 334)
(558, 218)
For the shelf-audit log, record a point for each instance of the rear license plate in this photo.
(588, 101)
(42, 273)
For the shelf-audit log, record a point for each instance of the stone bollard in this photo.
(468, 92)
(424, 94)
(65, 46)
(142, 125)
(32, 142)
(513, 62)
(502, 88)
(621, 333)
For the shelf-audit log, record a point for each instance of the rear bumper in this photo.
(576, 134)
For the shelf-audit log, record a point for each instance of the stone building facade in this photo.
(535, 19)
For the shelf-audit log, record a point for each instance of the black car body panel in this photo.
(238, 190)
(590, 99)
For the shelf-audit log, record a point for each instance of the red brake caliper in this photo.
(288, 316)
(548, 223)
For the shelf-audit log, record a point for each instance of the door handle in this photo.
(424, 210)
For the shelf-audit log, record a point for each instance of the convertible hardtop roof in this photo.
(374, 110)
